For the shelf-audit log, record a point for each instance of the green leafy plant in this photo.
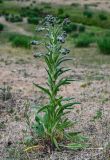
(81, 28)
(60, 11)
(1, 1)
(1, 27)
(88, 13)
(98, 115)
(51, 122)
(20, 40)
(33, 20)
(103, 16)
(83, 40)
(103, 43)
(70, 27)
(5, 92)
(13, 18)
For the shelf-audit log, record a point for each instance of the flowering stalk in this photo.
(52, 123)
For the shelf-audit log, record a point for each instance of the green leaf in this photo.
(66, 106)
(55, 143)
(68, 99)
(62, 59)
(76, 137)
(43, 109)
(76, 146)
(45, 90)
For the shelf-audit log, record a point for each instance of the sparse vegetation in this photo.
(5, 92)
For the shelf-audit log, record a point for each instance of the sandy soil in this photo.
(14, 28)
(99, 4)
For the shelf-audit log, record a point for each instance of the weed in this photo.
(5, 92)
(51, 120)
(98, 115)
(2, 125)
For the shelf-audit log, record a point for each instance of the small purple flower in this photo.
(64, 51)
(40, 29)
(66, 21)
(37, 55)
(34, 42)
(61, 39)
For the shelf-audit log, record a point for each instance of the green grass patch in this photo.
(18, 40)
(103, 43)
(83, 40)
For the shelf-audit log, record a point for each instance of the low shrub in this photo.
(75, 35)
(88, 13)
(70, 27)
(30, 12)
(1, 27)
(13, 18)
(60, 11)
(20, 41)
(102, 16)
(33, 20)
(1, 1)
(83, 40)
(81, 28)
(104, 44)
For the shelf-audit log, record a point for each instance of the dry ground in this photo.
(98, 4)
(92, 88)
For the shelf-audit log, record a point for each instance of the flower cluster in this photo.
(64, 51)
(50, 20)
(61, 38)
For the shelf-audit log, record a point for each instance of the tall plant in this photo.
(51, 119)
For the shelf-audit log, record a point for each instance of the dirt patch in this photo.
(14, 28)
(98, 4)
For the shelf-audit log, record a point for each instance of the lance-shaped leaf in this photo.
(43, 109)
(67, 106)
(62, 59)
(62, 82)
(45, 90)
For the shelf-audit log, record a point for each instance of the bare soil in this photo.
(98, 4)
(14, 27)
